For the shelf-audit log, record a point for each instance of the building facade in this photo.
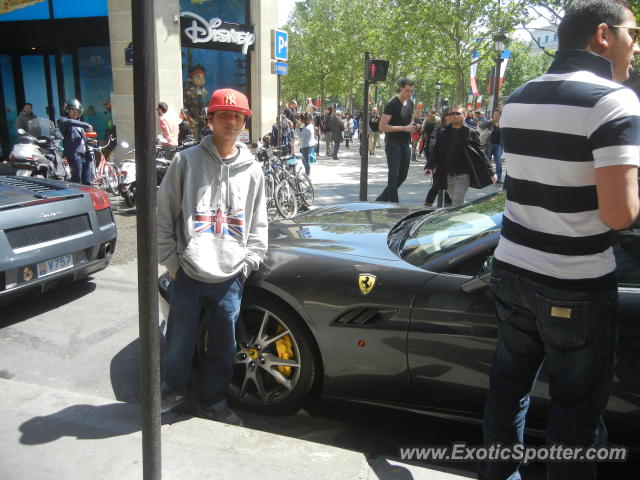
(54, 50)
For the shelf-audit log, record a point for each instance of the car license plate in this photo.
(55, 265)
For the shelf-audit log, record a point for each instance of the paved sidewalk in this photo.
(54, 433)
(338, 181)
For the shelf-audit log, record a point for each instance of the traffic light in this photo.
(377, 70)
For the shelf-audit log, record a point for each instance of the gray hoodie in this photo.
(212, 216)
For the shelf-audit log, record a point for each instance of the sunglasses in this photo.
(456, 114)
(633, 31)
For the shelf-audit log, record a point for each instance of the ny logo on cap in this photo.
(230, 98)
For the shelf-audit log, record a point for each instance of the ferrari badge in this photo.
(366, 281)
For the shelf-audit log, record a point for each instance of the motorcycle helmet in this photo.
(227, 99)
(73, 104)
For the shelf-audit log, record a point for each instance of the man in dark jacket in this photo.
(26, 114)
(458, 152)
(76, 149)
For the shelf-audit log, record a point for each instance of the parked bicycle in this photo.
(106, 173)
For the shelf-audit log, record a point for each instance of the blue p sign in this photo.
(280, 45)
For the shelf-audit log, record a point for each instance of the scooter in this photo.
(128, 173)
(37, 152)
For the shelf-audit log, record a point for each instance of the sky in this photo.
(284, 9)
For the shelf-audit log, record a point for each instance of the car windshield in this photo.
(442, 232)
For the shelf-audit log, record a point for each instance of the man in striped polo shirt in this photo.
(571, 141)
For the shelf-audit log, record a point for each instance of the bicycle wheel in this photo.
(111, 178)
(286, 201)
(269, 193)
(305, 190)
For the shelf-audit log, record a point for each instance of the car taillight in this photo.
(99, 198)
(123, 173)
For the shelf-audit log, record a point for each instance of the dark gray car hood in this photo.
(358, 229)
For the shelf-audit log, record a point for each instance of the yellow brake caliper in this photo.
(284, 349)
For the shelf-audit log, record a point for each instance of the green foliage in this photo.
(424, 40)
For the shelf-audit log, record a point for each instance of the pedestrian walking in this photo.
(571, 139)
(336, 126)
(458, 155)
(324, 127)
(308, 142)
(396, 123)
(438, 182)
(212, 233)
(494, 142)
(374, 133)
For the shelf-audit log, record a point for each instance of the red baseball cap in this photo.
(227, 99)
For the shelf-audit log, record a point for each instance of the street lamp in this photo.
(498, 46)
(438, 87)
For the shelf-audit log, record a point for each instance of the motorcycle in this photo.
(128, 170)
(37, 152)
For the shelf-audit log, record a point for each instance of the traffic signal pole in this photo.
(143, 22)
(364, 128)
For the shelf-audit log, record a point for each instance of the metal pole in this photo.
(496, 82)
(364, 143)
(278, 123)
(143, 21)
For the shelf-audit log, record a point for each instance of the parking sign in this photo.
(280, 44)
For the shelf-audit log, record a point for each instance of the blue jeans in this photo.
(306, 151)
(398, 159)
(81, 168)
(495, 152)
(336, 145)
(218, 305)
(575, 334)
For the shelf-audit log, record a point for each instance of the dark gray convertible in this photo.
(388, 305)
(51, 232)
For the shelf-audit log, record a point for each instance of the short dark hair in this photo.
(403, 82)
(583, 16)
(27, 103)
(163, 106)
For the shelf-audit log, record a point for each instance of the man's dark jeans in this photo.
(398, 159)
(575, 334)
(80, 165)
(220, 303)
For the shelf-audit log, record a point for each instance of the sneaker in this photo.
(171, 400)
(225, 415)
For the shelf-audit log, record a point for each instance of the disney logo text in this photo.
(202, 31)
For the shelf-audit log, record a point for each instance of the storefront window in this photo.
(96, 87)
(9, 91)
(35, 83)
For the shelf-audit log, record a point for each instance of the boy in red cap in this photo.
(212, 233)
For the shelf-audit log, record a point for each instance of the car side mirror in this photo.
(481, 280)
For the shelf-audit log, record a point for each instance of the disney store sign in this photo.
(214, 33)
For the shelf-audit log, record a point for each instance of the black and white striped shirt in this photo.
(557, 129)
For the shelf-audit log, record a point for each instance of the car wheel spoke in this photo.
(269, 341)
(280, 378)
(260, 387)
(245, 383)
(263, 324)
(272, 360)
